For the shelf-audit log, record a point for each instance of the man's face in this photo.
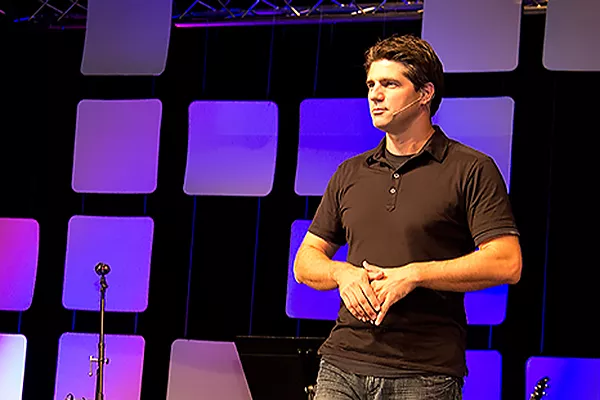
(390, 91)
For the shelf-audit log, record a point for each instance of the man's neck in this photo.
(410, 140)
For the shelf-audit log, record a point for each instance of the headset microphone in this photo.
(406, 107)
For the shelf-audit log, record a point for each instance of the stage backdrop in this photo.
(195, 185)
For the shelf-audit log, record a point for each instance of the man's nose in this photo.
(376, 94)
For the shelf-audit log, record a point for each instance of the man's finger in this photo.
(384, 309)
(375, 275)
(370, 295)
(359, 310)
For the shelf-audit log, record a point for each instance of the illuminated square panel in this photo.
(117, 44)
(19, 246)
(125, 244)
(485, 307)
(571, 35)
(331, 131)
(302, 301)
(122, 375)
(232, 148)
(474, 35)
(570, 378)
(206, 370)
(485, 375)
(485, 124)
(13, 349)
(116, 146)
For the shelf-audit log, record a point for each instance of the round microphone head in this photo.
(102, 269)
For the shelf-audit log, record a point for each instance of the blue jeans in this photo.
(335, 384)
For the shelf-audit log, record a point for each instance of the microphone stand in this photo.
(102, 270)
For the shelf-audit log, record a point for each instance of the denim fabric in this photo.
(335, 384)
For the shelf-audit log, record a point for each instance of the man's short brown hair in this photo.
(419, 59)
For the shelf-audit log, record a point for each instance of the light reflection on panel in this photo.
(331, 130)
(125, 244)
(126, 37)
(571, 35)
(302, 301)
(122, 375)
(19, 248)
(570, 378)
(484, 380)
(474, 35)
(485, 124)
(116, 146)
(206, 370)
(13, 349)
(232, 148)
(486, 307)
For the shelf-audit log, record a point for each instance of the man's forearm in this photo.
(490, 266)
(315, 269)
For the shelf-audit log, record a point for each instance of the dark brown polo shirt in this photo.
(440, 204)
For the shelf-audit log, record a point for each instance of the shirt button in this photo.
(396, 175)
(393, 190)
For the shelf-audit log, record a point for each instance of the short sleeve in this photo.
(489, 211)
(327, 222)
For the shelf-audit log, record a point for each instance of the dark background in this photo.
(238, 247)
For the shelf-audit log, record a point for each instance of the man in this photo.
(426, 219)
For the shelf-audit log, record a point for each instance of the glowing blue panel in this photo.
(571, 35)
(485, 375)
(331, 131)
(125, 244)
(486, 307)
(116, 146)
(122, 375)
(570, 378)
(13, 350)
(474, 35)
(232, 148)
(485, 124)
(213, 369)
(126, 37)
(19, 245)
(302, 301)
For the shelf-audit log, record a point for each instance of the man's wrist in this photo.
(335, 269)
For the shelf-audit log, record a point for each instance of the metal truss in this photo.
(205, 13)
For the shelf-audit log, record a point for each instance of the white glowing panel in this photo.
(122, 374)
(571, 36)
(484, 123)
(474, 35)
(126, 37)
(205, 370)
(13, 349)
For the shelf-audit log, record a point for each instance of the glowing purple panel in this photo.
(232, 148)
(19, 242)
(474, 35)
(485, 124)
(485, 375)
(486, 307)
(206, 370)
(302, 301)
(122, 374)
(116, 43)
(331, 130)
(125, 244)
(13, 350)
(570, 43)
(116, 146)
(570, 378)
